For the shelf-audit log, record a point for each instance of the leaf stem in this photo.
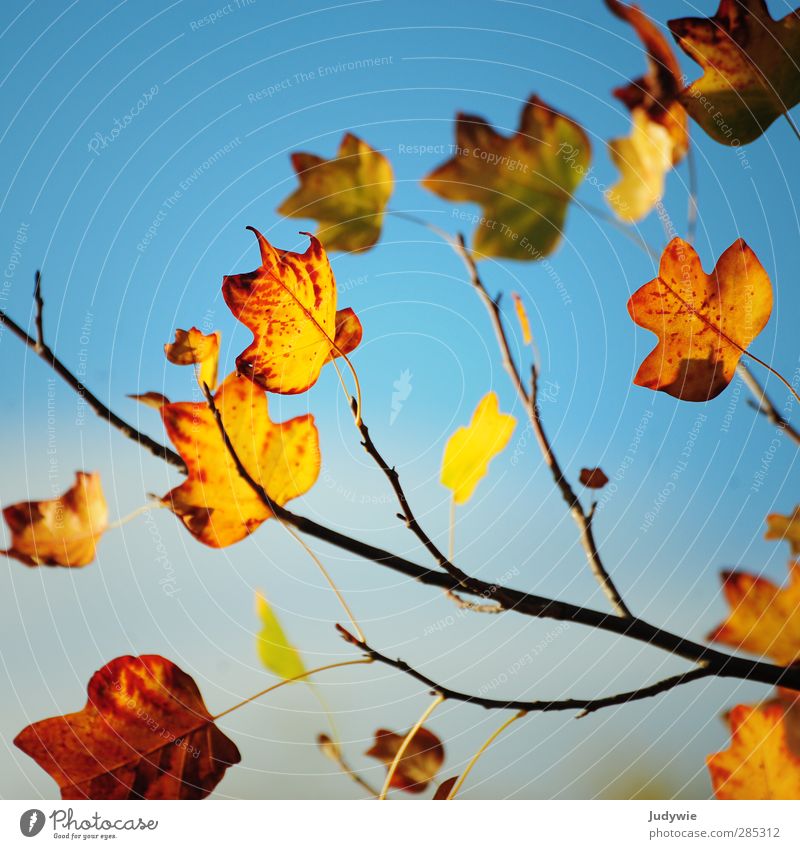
(406, 742)
(474, 759)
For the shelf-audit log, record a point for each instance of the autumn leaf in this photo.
(470, 449)
(522, 317)
(704, 321)
(151, 399)
(191, 347)
(523, 182)
(276, 652)
(63, 531)
(655, 94)
(759, 763)
(144, 733)
(443, 790)
(751, 69)
(593, 478)
(764, 618)
(643, 160)
(347, 195)
(421, 761)
(215, 503)
(785, 527)
(289, 304)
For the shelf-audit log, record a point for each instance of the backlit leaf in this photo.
(643, 160)
(470, 449)
(144, 733)
(759, 763)
(191, 347)
(656, 92)
(764, 618)
(522, 317)
(443, 790)
(151, 399)
(62, 531)
(785, 527)
(289, 304)
(523, 182)
(347, 195)
(751, 69)
(420, 763)
(215, 503)
(276, 652)
(704, 321)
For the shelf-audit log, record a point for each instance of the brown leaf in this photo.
(593, 478)
(144, 733)
(420, 763)
(443, 790)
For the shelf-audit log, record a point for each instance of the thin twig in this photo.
(582, 519)
(763, 404)
(585, 705)
(46, 354)
(39, 301)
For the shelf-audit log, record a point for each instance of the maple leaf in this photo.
(656, 93)
(785, 527)
(470, 449)
(191, 347)
(289, 304)
(759, 763)
(443, 790)
(63, 531)
(593, 478)
(215, 503)
(523, 182)
(704, 321)
(764, 618)
(276, 652)
(750, 69)
(643, 160)
(144, 733)
(347, 195)
(421, 761)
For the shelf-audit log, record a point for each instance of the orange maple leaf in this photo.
(289, 304)
(764, 618)
(785, 528)
(759, 763)
(421, 761)
(144, 733)
(62, 531)
(215, 503)
(192, 347)
(704, 321)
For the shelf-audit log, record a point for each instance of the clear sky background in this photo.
(260, 81)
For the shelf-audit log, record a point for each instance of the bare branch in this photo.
(582, 519)
(39, 301)
(587, 706)
(44, 352)
(763, 404)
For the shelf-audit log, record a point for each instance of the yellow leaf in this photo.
(522, 317)
(191, 347)
(347, 194)
(759, 763)
(643, 160)
(785, 527)
(276, 652)
(470, 449)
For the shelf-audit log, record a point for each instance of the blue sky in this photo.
(133, 231)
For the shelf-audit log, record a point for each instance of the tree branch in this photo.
(582, 519)
(587, 706)
(45, 353)
(762, 404)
